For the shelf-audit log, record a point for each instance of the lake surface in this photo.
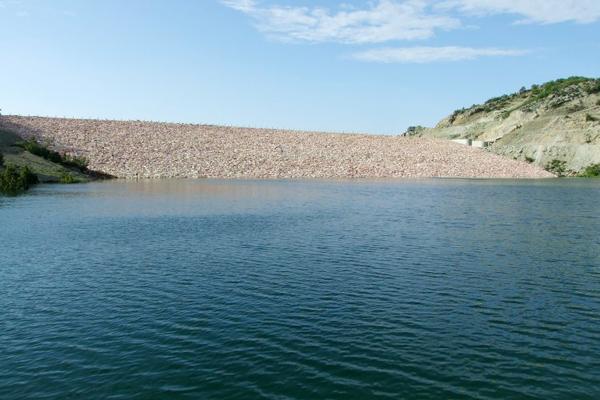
(428, 289)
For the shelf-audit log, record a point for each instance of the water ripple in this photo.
(383, 290)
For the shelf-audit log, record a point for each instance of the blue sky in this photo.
(370, 66)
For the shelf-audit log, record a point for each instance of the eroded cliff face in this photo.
(558, 120)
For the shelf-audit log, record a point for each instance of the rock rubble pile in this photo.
(136, 149)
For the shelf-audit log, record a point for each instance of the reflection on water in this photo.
(301, 290)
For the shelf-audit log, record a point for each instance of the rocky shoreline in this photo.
(138, 149)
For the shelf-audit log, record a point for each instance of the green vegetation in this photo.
(67, 178)
(15, 180)
(531, 97)
(592, 171)
(590, 118)
(414, 130)
(529, 159)
(557, 87)
(594, 87)
(23, 163)
(28, 176)
(557, 167)
(497, 103)
(456, 113)
(37, 149)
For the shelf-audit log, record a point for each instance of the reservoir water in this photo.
(202, 289)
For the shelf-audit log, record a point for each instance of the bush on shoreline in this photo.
(15, 180)
(592, 171)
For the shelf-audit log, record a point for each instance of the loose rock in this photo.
(136, 149)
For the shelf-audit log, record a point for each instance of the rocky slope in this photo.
(559, 120)
(136, 149)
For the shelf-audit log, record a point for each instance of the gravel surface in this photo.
(138, 149)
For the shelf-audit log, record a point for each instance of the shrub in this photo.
(594, 87)
(28, 176)
(557, 86)
(15, 180)
(529, 159)
(67, 178)
(413, 130)
(590, 118)
(10, 182)
(557, 167)
(1, 160)
(37, 149)
(592, 171)
(34, 147)
(456, 113)
(598, 102)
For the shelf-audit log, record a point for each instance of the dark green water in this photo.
(301, 290)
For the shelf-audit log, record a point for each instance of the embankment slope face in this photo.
(135, 149)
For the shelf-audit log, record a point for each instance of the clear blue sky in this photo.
(371, 66)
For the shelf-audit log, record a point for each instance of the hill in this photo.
(559, 120)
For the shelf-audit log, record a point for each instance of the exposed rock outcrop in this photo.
(559, 120)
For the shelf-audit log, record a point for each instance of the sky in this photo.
(349, 66)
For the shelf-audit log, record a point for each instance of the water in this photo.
(301, 290)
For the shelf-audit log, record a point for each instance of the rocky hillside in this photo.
(559, 120)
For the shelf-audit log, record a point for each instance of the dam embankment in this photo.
(139, 149)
